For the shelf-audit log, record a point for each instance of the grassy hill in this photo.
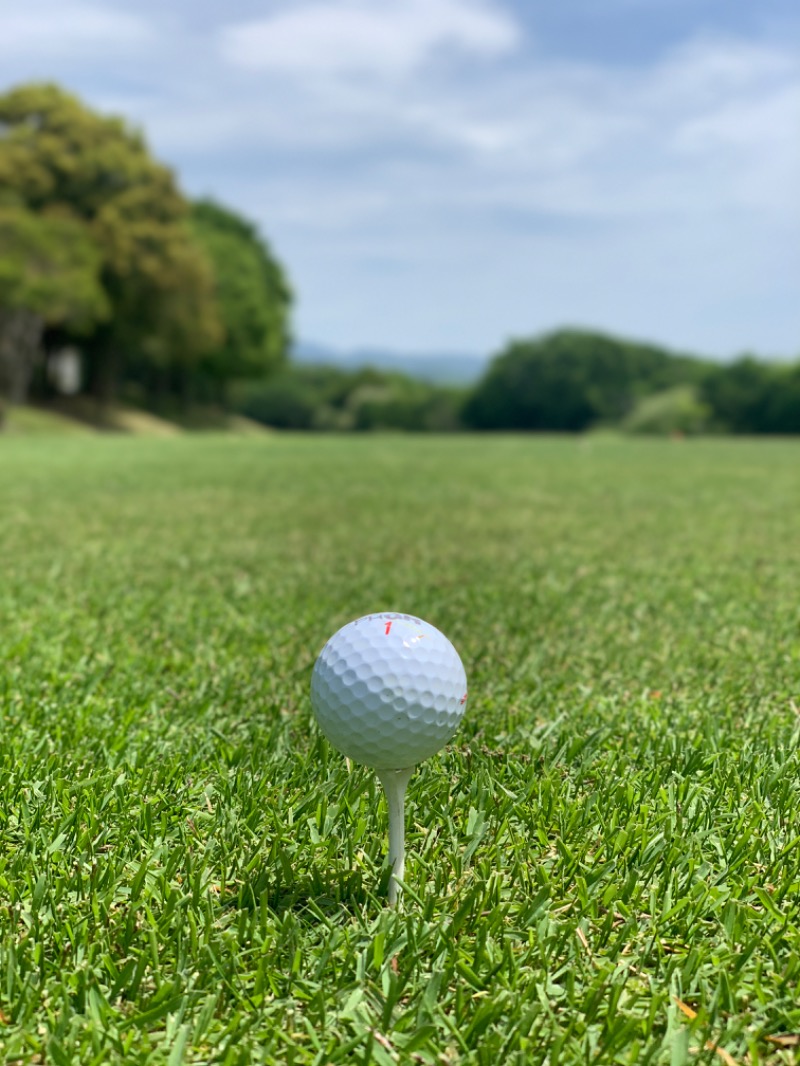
(38, 421)
(79, 418)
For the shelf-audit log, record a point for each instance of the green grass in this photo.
(188, 874)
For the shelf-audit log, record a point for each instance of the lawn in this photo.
(611, 844)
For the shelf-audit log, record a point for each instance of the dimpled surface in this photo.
(388, 690)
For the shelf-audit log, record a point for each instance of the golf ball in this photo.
(388, 690)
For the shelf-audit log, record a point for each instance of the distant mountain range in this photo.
(442, 368)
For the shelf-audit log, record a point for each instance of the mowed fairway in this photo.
(189, 874)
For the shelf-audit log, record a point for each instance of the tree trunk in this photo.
(21, 334)
(186, 387)
(105, 382)
(103, 365)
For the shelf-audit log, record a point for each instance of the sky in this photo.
(445, 175)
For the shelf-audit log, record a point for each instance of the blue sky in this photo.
(447, 174)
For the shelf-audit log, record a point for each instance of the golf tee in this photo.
(394, 785)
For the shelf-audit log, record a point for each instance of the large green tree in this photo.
(57, 154)
(49, 276)
(571, 379)
(253, 295)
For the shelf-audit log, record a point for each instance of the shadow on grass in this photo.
(316, 893)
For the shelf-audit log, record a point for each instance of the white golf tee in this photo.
(394, 785)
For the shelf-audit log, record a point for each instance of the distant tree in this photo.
(285, 401)
(329, 398)
(56, 154)
(569, 380)
(738, 394)
(49, 276)
(402, 403)
(751, 396)
(783, 401)
(677, 410)
(253, 295)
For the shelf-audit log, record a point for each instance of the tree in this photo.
(571, 379)
(331, 398)
(253, 295)
(49, 276)
(56, 154)
(672, 411)
(783, 403)
(750, 396)
(738, 394)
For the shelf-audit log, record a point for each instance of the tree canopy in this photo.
(751, 396)
(252, 291)
(569, 380)
(49, 267)
(181, 293)
(49, 276)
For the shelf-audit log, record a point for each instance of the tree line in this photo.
(568, 381)
(573, 380)
(167, 299)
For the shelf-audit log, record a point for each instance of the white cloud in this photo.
(705, 68)
(73, 30)
(659, 200)
(365, 36)
(711, 126)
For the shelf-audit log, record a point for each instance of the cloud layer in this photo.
(437, 156)
(70, 31)
(359, 37)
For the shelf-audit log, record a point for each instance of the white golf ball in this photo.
(388, 690)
